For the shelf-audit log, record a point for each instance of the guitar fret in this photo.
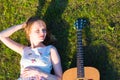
(80, 48)
(80, 59)
(79, 40)
(81, 63)
(80, 55)
(79, 37)
(80, 45)
(82, 66)
(80, 52)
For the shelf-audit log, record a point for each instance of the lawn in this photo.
(101, 37)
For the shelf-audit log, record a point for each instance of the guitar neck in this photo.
(80, 62)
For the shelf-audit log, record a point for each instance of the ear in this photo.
(29, 34)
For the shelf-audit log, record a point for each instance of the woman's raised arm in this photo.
(4, 37)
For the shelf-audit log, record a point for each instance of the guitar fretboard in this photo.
(80, 62)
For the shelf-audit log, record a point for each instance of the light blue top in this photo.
(37, 57)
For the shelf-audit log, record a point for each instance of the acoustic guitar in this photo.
(80, 72)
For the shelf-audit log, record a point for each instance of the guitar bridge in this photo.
(83, 79)
(80, 79)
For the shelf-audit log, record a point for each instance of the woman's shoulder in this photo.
(26, 49)
(51, 46)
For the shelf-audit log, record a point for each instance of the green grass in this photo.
(101, 38)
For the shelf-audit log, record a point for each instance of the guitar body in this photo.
(91, 73)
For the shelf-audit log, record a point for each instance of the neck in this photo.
(33, 45)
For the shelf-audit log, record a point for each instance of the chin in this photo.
(41, 40)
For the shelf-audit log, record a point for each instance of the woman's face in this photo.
(38, 32)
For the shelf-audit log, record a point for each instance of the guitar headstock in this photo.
(80, 23)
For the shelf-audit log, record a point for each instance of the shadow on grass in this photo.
(96, 55)
(57, 26)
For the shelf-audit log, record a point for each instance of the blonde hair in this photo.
(27, 28)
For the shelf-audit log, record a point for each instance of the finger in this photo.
(33, 78)
(26, 74)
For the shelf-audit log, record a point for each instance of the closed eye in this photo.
(37, 31)
(44, 30)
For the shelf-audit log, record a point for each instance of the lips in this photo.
(41, 36)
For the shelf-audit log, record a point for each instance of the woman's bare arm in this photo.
(4, 37)
(56, 63)
(8, 32)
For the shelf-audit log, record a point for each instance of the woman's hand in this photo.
(32, 73)
(24, 25)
